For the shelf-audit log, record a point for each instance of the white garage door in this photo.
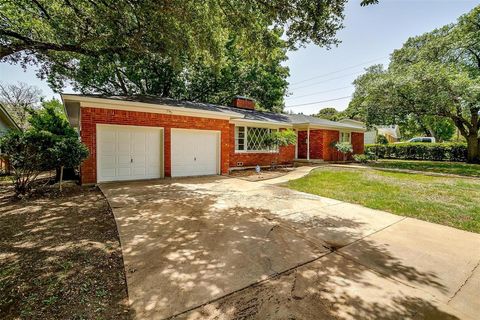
(194, 152)
(128, 153)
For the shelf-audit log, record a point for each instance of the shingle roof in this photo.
(254, 115)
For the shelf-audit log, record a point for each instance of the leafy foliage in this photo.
(46, 28)
(420, 151)
(381, 139)
(29, 154)
(344, 148)
(362, 158)
(329, 114)
(49, 143)
(281, 138)
(433, 76)
(196, 50)
(237, 73)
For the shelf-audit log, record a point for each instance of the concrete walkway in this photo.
(221, 248)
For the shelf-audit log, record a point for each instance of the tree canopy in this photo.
(434, 75)
(196, 50)
(19, 99)
(328, 113)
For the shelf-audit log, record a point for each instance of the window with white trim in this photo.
(345, 136)
(251, 139)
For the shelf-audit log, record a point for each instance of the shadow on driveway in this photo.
(216, 248)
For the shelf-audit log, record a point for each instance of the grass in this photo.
(449, 201)
(458, 168)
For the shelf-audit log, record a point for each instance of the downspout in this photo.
(296, 145)
(308, 142)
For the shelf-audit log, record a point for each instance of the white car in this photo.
(423, 139)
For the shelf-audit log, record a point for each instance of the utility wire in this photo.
(310, 103)
(318, 92)
(340, 70)
(327, 80)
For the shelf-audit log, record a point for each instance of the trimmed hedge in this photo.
(420, 151)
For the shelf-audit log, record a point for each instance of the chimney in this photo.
(243, 103)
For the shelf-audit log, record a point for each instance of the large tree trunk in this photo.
(473, 149)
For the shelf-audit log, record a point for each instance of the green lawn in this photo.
(459, 168)
(449, 201)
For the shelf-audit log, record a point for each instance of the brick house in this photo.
(149, 137)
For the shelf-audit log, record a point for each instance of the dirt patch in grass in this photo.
(265, 173)
(60, 256)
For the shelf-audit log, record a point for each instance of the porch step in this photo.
(305, 161)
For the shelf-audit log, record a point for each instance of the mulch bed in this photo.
(60, 256)
(265, 173)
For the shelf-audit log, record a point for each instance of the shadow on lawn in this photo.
(60, 257)
(190, 255)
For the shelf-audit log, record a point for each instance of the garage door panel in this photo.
(123, 160)
(194, 152)
(129, 153)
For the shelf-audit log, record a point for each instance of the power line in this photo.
(327, 80)
(310, 103)
(340, 70)
(318, 92)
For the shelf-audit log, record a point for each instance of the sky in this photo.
(370, 35)
(322, 78)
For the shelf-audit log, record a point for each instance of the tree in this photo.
(67, 151)
(19, 99)
(29, 154)
(433, 75)
(280, 138)
(236, 74)
(328, 113)
(442, 129)
(49, 143)
(51, 118)
(46, 28)
(166, 48)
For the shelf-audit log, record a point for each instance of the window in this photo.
(345, 137)
(240, 138)
(251, 139)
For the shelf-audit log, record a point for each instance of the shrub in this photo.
(362, 158)
(382, 139)
(420, 151)
(29, 153)
(344, 148)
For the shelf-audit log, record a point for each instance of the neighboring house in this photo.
(392, 133)
(6, 123)
(370, 135)
(149, 137)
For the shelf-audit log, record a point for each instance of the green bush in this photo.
(420, 151)
(382, 139)
(362, 158)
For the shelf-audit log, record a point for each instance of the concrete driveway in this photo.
(221, 248)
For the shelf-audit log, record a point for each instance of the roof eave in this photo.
(106, 101)
(10, 120)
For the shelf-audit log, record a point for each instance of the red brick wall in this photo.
(358, 142)
(329, 152)
(244, 103)
(316, 144)
(284, 156)
(92, 116)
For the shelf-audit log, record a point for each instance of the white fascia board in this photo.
(324, 126)
(105, 103)
(259, 123)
